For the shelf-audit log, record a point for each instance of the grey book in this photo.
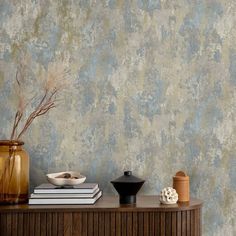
(64, 195)
(80, 188)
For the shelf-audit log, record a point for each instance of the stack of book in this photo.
(85, 193)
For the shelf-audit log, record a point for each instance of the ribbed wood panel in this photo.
(179, 223)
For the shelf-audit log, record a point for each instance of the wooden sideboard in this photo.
(105, 217)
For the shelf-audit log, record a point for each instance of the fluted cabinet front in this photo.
(176, 223)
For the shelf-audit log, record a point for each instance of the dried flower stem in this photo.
(53, 81)
(17, 119)
(19, 113)
(46, 103)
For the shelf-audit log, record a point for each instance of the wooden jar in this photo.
(181, 185)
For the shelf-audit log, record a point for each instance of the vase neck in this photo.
(11, 145)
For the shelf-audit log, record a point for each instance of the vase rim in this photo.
(11, 143)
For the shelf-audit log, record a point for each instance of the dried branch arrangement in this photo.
(32, 103)
(53, 81)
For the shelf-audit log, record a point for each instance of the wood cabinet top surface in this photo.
(108, 203)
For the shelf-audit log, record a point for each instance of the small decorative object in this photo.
(14, 161)
(181, 185)
(68, 178)
(127, 186)
(168, 196)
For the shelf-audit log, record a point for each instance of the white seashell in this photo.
(168, 196)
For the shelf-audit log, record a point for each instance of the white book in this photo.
(64, 195)
(62, 201)
(80, 188)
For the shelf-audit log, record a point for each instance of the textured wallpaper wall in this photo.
(154, 91)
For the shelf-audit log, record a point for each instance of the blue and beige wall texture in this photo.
(154, 92)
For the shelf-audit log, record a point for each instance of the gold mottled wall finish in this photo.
(154, 91)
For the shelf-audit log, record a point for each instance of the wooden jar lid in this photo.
(181, 176)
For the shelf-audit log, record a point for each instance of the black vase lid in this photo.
(128, 178)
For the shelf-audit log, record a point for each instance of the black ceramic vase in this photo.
(127, 186)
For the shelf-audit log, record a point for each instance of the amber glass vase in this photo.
(14, 172)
